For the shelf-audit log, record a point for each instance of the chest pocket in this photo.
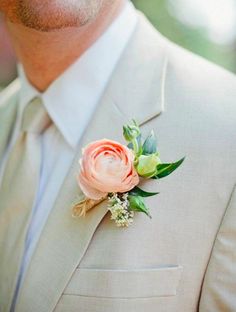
(99, 290)
(138, 283)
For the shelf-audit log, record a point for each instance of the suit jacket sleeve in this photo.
(219, 287)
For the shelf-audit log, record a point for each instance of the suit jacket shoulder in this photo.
(200, 102)
(209, 88)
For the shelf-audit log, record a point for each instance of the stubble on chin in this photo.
(52, 15)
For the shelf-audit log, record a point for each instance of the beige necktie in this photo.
(17, 195)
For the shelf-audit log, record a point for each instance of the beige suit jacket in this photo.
(183, 259)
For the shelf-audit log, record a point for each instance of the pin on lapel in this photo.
(112, 171)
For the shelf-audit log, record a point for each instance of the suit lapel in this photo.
(8, 113)
(135, 91)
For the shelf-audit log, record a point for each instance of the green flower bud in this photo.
(131, 132)
(147, 164)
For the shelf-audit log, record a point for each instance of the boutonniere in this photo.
(110, 170)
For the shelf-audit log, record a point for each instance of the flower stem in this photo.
(136, 147)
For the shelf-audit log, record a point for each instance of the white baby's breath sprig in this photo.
(118, 205)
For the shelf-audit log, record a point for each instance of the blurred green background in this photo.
(206, 27)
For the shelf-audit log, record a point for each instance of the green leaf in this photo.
(136, 191)
(150, 144)
(164, 170)
(137, 204)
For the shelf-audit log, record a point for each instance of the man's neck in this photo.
(46, 55)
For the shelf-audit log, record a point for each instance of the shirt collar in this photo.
(71, 99)
(27, 91)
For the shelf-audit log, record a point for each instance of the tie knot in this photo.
(35, 117)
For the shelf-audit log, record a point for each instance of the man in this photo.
(89, 67)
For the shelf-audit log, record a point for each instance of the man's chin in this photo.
(51, 16)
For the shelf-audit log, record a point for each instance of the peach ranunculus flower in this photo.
(106, 167)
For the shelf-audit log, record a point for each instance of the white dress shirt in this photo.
(70, 101)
